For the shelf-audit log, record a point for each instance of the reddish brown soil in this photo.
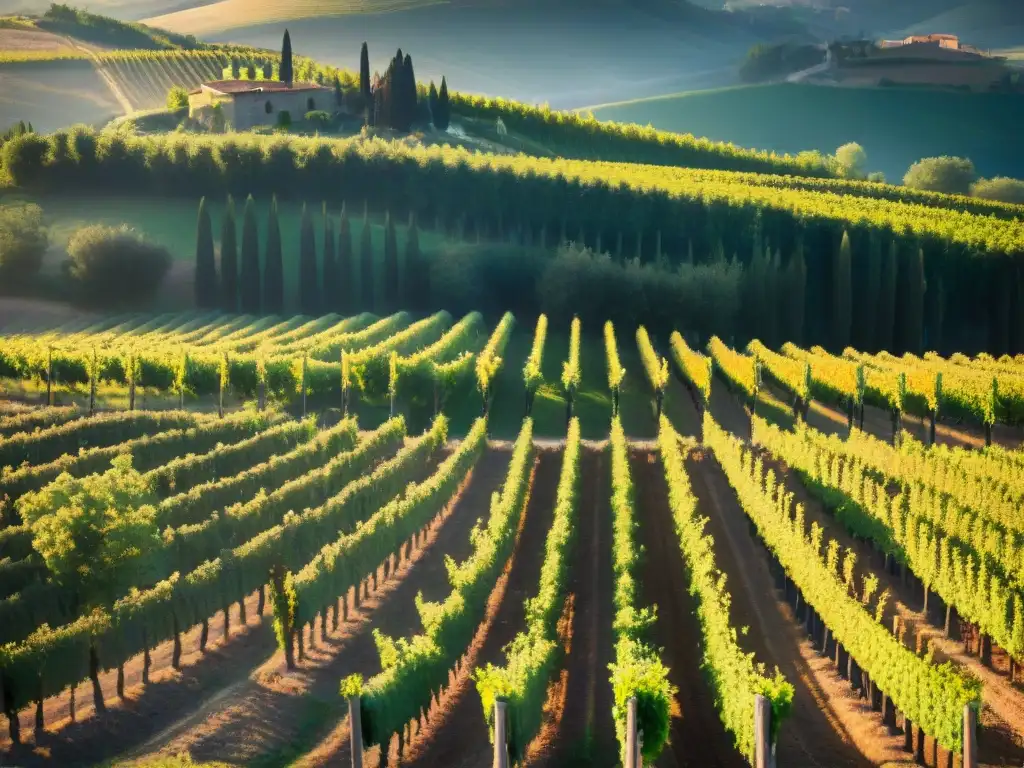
(457, 734)
(1001, 736)
(147, 710)
(697, 736)
(829, 725)
(580, 729)
(265, 717)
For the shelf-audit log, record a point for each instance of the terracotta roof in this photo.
(259, 86)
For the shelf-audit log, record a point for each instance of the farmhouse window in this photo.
(311, 104)
(268, 108)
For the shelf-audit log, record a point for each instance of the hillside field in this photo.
(896, 127)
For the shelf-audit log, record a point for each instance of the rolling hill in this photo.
(895, 126)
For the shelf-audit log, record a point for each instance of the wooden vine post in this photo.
(500, 735)
(355, 727)
(762, 731)
(934, 415)
(970, 737)
(49, 375)
(631, 734)
(223, 384)
(261, 374)
(345, 376)
(862, 386)
(93, 373)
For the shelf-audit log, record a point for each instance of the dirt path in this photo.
(101, 69)
(457, 735)
(697, 736)
(579, 729)
(829, 725)
(274, 714)
(727, 409)
(1001, 736)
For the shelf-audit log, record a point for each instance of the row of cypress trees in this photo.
(336, 281)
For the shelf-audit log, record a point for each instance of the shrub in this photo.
(23, 242)
(318, 119)
(953, 175)
(177, 99)
(1000, 188)
(24, 156)
(115, 265)
(876, 177)
(851, 159)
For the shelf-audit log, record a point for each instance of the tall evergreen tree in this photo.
(411, 96)
(286, 72)
(417, 277)
(842, 295)
(796, 301)
(346, 268)
(443, 107)
(390, 264)
(366, 265)
(273, 264)
(913, 303)
(249, 287)
(330, 266)
(364, 74)
(872, 290)
(207, 293)
(229, 259)
(308, 298)
(887, 299)
(432, 103)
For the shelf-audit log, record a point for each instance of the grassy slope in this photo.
(895, 126)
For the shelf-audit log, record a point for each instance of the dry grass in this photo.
(229, 14)
(30, 41)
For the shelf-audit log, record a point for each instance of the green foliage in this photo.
(115, 266)
(932, 696)
(95, 534)
(351, 686)
(770, 61)
(273, 264)
(739, 370)
(851, 159)
(435, 370)
(283, 600)
(733, 674)
(655, 367)
(309, 291)
(391, 276)
(414, 668)
(694, 366)
(489, 361)
(177, 99)
(207, 290)
(286, 72)
(23, 243)
(533, 375)
(953, 175)
(1000, 188)
(842, 295)
(616, 371)
(637, 670)
(533, 655)
(572, 374)
(229, 259)
(250, 296)
(94, 28)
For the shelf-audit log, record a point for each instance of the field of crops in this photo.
(452, 541)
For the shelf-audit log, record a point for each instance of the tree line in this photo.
(338, 276)
(973, 295)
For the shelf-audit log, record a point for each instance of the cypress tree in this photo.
(286, 72)
(308, 298)
(842, 295)
(432, 102)
(364, 71)
(345, 267)
(913, 304)
(1017, 327)
(250, 278)
(206, 261)
(417, 277)
(796, 301)
(390, 264)
(443, 107)
(887, 299)
(229, 259)
(273, 265)
(330, 266)
(366, 265)
(411, 96)
(872, 290)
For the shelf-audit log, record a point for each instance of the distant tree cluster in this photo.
(769, 61)
(23, 243)
(440, 105)
(394, 95)
(334, 277)
(957, 176)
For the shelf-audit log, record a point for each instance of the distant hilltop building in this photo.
(921, 43)
(245, 104)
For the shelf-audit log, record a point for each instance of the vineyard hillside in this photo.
(896, 127)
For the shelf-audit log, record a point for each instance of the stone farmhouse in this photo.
(246, 104)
